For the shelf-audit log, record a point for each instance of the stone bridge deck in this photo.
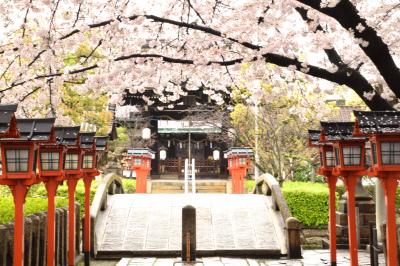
(150, 225)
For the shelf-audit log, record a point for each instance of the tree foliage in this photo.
(157, 45)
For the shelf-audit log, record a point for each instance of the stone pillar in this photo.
(188, 233)
(366, 210)
(293, 228)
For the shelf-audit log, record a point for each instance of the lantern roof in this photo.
(139, 151)
(101, 143)
(378, 122)
(339, 131)
(87, 139)
(6, 116)
(313, 136)
(67, 135)
(39, 129)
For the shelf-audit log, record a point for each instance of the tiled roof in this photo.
(67, 135)
(338, 130)
(35, 128)
(378, 121)
(6, 113)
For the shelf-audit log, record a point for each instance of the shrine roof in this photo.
(378, 121)
(39, 129)
(67, 135)
(339, 131)
(6, 113)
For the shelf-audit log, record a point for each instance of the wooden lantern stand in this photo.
(238, 164)
(41, 133)
(383, 131)
(89, 171)
(69, 136)
(325, 169)
(141, 164)
(350, 166)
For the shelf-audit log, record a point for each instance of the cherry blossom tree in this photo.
(174, 46)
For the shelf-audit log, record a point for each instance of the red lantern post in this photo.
(350, 165)
(41, 132)
(89, 171)
(141, 164)
(17, 175)
(383, 131)
(238, 163)
(327, 162)
(69, 136)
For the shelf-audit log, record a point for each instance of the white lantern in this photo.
(146, 133)
(216, 155)
(163, 155)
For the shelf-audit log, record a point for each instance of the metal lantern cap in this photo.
(101, 143)
(36, 129)
(378, 122)
(6, 117)
(87, 140)
(67, 135)
(338, 131)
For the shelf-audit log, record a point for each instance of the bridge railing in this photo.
(111, 184)
(266, 184)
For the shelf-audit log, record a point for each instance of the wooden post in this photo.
(19, 191)
(87, 180)
(51, 187)
(351, 182)
(71, 182)
(390, 186)
(332, 217)
(188, 234)
(293, 238)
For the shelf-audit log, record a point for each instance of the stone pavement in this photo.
(150, 225)
(311, 258)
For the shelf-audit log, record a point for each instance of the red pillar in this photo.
(390, 186)
(87, 179)
(351, 182)
(51, 187)
(19, 191)
(141, 180)
(71, 182)
(332, 217)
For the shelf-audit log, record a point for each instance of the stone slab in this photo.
(150, 225)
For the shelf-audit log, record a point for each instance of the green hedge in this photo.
(308, 202)
(129, 185)
(32, 205)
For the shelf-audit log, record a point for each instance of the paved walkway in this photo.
(311, 258)
(150, 225)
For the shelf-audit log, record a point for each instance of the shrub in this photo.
(32, 205)
(249, 185)
(129, 185)
(308, 202)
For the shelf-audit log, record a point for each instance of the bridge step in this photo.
(178, 186)
(137, 225)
